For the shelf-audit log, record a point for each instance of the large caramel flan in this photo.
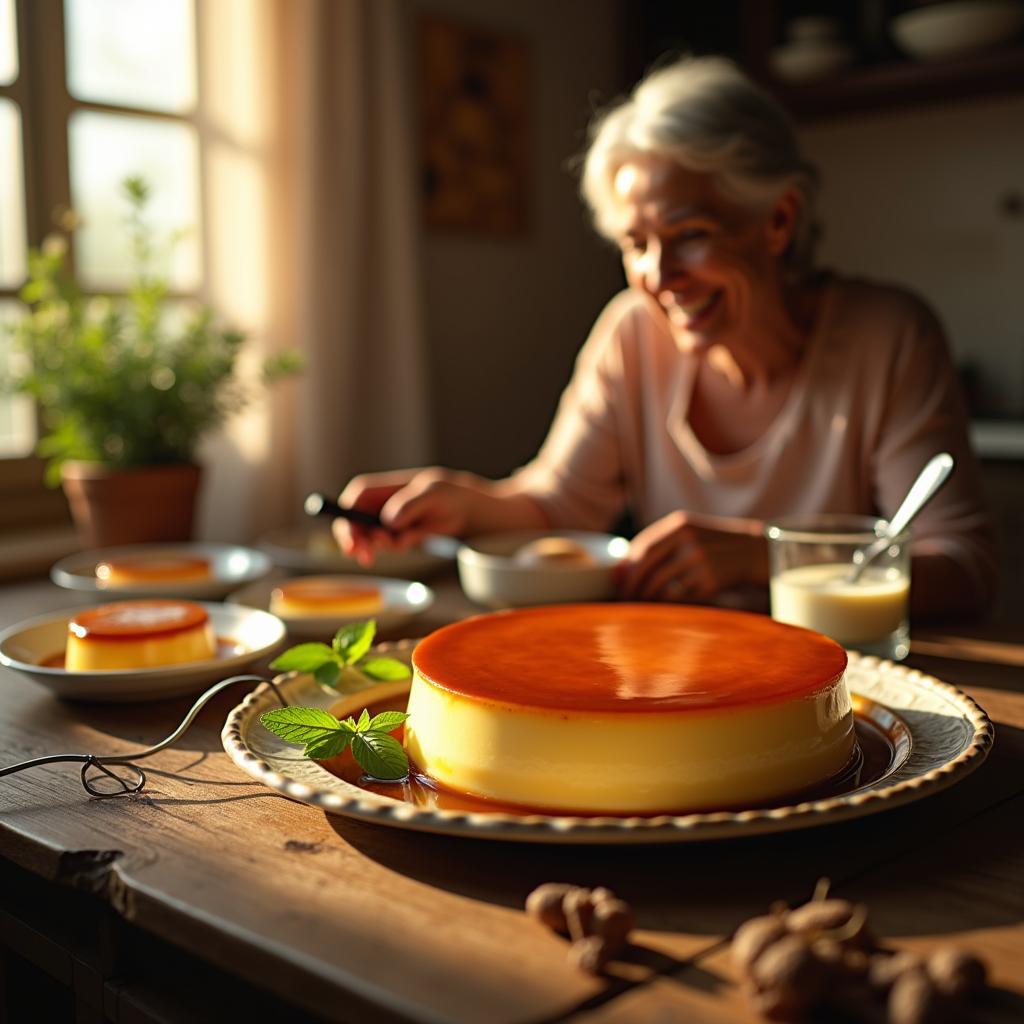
(152, 570)
(628, 708)
(139, 634)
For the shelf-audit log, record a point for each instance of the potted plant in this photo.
(124, 397)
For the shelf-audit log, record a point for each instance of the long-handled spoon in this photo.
(929, 480)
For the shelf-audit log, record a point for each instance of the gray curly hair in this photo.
(707, 115)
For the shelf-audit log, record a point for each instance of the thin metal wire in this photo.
(135, 778)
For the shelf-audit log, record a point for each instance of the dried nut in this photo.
(590, 954)
(916, 999)
(613, 921)
(789, 968)
(545, 904)
(820, 916)
(753, 937)
(579, 913)
(885, 968)
(601, 894)
(829, 952)
(855, 963)
(956, 972)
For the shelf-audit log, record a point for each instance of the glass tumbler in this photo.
(810, 558)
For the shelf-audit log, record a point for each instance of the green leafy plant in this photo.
(348, 650)
(377, 752)
(115, 383)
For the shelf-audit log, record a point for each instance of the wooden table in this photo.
(210, 895)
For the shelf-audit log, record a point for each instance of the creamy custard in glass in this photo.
(820, 598)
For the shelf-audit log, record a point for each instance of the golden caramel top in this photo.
(157, 569)
(628, 657)
(325, 590)
(137, 620)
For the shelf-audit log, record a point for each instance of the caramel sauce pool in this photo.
(872, 758)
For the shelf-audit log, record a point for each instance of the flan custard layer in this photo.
(157, 569)
(139, 634)
(628, 708)
(324, 595)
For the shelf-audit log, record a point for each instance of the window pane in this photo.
(8, 43)
(17, 418)
(12, 197)
(134, 53)
(104, 150)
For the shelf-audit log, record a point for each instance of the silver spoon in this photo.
(929, 480)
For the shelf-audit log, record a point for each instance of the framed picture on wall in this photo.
(474, 97)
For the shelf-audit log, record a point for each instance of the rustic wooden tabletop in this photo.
(210, 894)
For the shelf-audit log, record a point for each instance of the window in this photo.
(91, 91)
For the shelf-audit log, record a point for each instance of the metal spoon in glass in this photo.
(929, 480)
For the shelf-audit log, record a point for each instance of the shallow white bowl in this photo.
(312, 549)
(957, 27)
(490, 575)
(798, 62)
(402, 601)
(252, 635)
(231, 567)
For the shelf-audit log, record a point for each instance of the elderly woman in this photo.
(729, 383)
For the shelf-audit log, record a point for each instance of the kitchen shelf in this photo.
(904, 83)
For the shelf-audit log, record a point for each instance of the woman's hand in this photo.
(413, 503)
(687, 556)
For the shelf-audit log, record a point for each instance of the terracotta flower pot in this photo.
(128, 506)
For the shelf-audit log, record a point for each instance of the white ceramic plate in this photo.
(230, 568)
(937, 735)
(248, 635)
(402, 601)
(312, 549)
(491, 576)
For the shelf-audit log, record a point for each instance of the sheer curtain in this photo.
(312, 228)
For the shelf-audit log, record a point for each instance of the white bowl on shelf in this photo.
(796, 62)
(956, 27)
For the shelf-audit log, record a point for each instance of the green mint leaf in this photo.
(386, 721)
(328, 673)
(300, 725)
(384, 668)
(350, 723)
(304, 658)
(328, 746)
(381, 756)
(353, 641)
(364, 721)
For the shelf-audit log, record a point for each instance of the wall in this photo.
(917, 197)
(506, 317)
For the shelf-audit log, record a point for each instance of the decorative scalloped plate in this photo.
(936, 734)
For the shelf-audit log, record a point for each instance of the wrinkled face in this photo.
(713, 266)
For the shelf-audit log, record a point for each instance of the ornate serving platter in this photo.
(935, 735)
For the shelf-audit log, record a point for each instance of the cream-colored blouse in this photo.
(875, 397)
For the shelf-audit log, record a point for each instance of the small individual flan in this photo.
(628, 708)
(139, 634)
(548, 552)
(312, 596)
(118, 572)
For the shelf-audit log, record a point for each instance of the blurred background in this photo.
(388, 187)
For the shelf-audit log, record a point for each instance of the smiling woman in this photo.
(731, 382)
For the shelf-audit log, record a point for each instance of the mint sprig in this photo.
(348, 649)
(378, 753)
